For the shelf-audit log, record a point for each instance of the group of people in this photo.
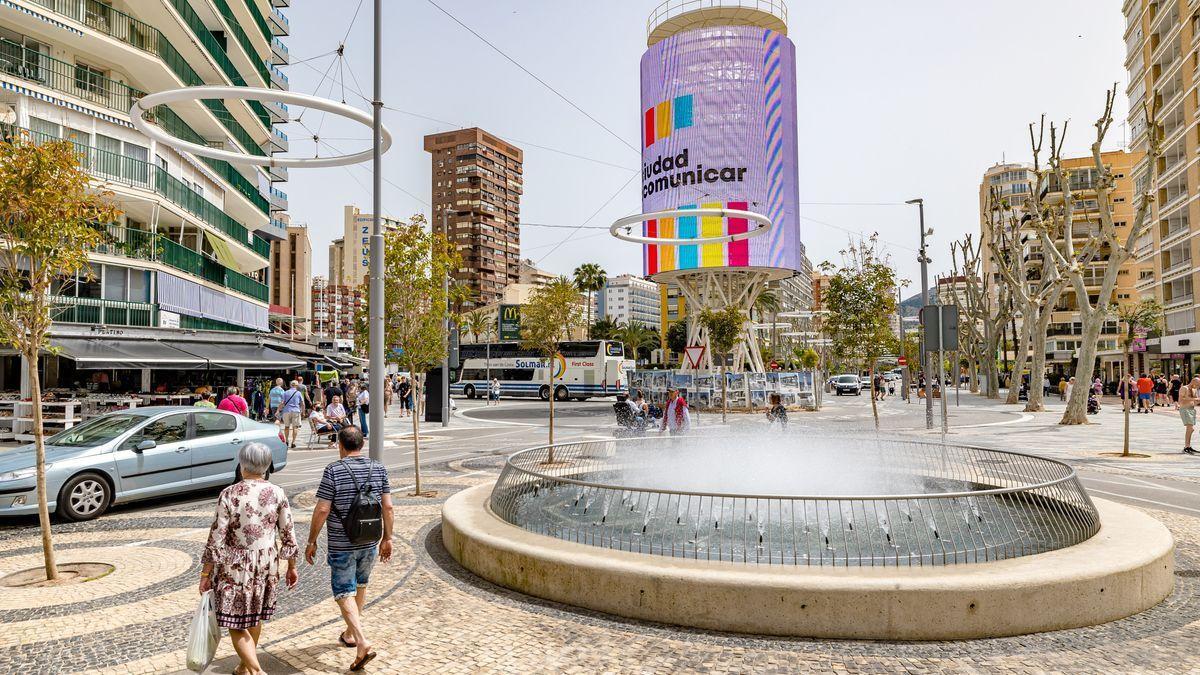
(1149, 392)
(882, 387)
(636, 414)
(253, 530)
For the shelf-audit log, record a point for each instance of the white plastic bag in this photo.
(204, 635)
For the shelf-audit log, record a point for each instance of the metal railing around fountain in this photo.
(971, 505)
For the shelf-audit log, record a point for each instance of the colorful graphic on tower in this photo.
(719, 130)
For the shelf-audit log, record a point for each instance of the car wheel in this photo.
(561, 394)
(544, 393)
(469, 391)
(84, 497)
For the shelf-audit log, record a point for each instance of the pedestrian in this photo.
(1160, 391)
(891, 387)
(406, 400)
(1097, 387)
(777, 413)
(387, 395)
(251, 533)
(1173, 389)
(364, 408)
(335, 412)
(291, 409)
(1062, 389)
(494, 392)
(1045, 385)
(205, 401)
(308, 402)
(355, 490)
(1070, 387)
(234, 403)
(1188, 396)
(350, 400)
(676, 418)
(275, 397)
(1145, 390)
(877, 385)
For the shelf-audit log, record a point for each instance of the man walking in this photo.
(275, 397)
(291, 411)
(1145, 390)
(341, 493)
(1188, 395)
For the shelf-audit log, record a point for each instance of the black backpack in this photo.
(363, 521)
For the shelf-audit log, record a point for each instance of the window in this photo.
(89, 78)
(89, 287)
(214, 424)
(169, 429)
(116, 281)
(139, 286)
(41, 126)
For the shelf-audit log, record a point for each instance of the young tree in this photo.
(416, 263)
(49, 220)
(861, 297)
(635, 336)
(767, 304)
(589, 278)
(550, 317)
(677, 334)
(476, 324)
(1145, 315)
(725, 327)
(1108, 246)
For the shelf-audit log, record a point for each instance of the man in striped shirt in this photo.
(350, 564)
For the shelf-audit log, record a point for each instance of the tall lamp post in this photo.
(924, 260)
(375, 330)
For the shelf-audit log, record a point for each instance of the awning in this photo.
(338, 362)
(233, 356)
(235, 256)
(96, 354)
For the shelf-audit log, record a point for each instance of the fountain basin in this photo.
(1125, 567)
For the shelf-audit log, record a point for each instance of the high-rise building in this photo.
(350, 254)
(334, 309)
(629, 299)
(1012, 182)
(191, 248)
(291, 282)
(1160, 38)
(530, 273)
(477, 185)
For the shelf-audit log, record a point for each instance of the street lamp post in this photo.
(375, 332)
(924, 260)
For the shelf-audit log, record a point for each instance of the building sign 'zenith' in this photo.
(719, 130)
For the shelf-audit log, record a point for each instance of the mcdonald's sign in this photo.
(510, 322)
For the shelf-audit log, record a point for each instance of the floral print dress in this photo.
(253, 530)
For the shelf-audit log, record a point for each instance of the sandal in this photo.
(342, 639)
(359, 664)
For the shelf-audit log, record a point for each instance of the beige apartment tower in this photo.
(477, 185)
(1161, 60)
(291, 282)
(349, 254)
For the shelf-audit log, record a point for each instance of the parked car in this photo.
(891, 376)
(865, 381)
(135, 454)
(847, 384)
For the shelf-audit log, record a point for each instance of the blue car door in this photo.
(165, 468)
(216, 439)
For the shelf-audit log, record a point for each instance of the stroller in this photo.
(1093, 404)
(628, 424)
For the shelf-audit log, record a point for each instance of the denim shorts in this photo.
(350, 569)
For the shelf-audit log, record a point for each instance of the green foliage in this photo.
(1145, 315)
(550, 316)
(860, 299)
(724, 328)
(636, 337)
(589, 278)
(808, 358)
(603, 329)
(677, 336)
(476, 324)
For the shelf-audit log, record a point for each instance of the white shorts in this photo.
(291, 420)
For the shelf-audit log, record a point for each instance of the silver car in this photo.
(133, 454)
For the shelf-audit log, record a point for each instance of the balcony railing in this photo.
(68, 78)
(140, 35)
(175, 125)
(137, 173)
(150, 246)
(67, 309)
(259, 19)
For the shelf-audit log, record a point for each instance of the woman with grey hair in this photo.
(251, 532)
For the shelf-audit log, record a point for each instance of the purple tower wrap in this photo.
(719, 130)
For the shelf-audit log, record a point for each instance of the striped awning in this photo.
(62, 103)
(40, 16)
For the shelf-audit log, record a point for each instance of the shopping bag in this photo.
(204, 635)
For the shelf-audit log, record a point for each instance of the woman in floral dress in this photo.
(252, 531)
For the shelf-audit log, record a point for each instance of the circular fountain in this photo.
(789, 535)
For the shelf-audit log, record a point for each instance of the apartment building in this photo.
(291, 283)
(334, 309)
(629, 299)
(476, 197)
(191, 250)
(1161, 59)
(1011, 182)
(350, 254)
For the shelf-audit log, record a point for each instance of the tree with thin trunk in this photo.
(1141, 317)
(1107, 245)
(547, 320)
(590, 278)
(724, 327)
(417, 304)
(49, 219)
(635, 336)
(476, 324)
(861, 297)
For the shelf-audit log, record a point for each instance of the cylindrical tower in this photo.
(718, 93)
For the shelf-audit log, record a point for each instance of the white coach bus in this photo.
(582, 370)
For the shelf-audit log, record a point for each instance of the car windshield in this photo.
(847, 378)
(96, 432)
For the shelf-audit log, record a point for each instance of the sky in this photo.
(896, 100)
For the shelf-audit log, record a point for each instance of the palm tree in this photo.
(635, 336)
(767, 303)
(603, 329)
(476, 324)
(589, 278)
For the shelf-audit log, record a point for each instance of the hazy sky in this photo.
(896, 100)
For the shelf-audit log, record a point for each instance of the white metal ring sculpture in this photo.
(149, 101)
(764, 224)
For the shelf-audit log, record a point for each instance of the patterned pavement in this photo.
(427, 614)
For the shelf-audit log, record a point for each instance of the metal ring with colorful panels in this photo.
(764, 225)
(148, 102)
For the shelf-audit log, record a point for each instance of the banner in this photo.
(510, 323)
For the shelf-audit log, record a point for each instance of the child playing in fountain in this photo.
(777, 413)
